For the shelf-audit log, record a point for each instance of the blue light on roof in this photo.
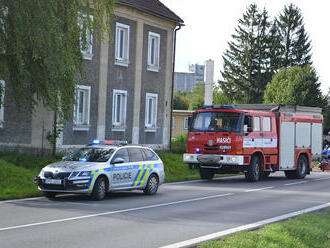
(218, 107)
(83, 159)
(96, 141)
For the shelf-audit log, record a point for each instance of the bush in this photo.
(179, 144)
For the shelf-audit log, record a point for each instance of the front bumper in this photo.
(66, 186)
(207, 160)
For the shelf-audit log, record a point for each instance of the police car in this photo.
(103, 166)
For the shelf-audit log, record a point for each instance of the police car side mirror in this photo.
(118, 161)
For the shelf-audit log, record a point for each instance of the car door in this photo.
(121, 175)
(140, 169)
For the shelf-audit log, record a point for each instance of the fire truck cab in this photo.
(256, 139)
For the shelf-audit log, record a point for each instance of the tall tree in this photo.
(297, 85)
(246, 63)
(295, 43)
(40, 48)
(197, 97)
(181, 99)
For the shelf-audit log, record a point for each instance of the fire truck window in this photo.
(266, 124)
(217, 122)
(256, 124)
(247, 123)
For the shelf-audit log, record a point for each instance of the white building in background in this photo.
(209, 82)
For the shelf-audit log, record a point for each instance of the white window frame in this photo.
(264, 123)
(173, 122)
(2, 110)
(153, 65)
(185, 123)
(121, 124)
(151, 124)
(256, 120)
(122, 60)
(84, 125)
(88, 53)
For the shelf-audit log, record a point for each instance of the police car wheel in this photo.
(152, 185)
(49, 195)
(99, 189)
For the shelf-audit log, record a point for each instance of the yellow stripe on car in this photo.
(139, 177)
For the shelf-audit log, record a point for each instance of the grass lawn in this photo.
(17, 172)
(305, 231)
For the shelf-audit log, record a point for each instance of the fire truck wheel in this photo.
(253, 173)
(301, 167)
(264, 174)
(206, 174)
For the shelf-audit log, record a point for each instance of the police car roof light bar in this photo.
(108, 142)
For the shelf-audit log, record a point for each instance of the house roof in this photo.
(153, 7)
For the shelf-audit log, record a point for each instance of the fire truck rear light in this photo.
(246, 160)
(239, 153)
(198, 150)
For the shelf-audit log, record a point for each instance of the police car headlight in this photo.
(233, 159)
(84, 174)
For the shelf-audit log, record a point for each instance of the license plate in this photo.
(53, 181)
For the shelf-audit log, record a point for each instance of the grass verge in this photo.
(305, 231)
(17, 172)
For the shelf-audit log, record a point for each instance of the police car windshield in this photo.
(216, 122)
(90, 154)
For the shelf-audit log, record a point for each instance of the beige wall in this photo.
(178, 127)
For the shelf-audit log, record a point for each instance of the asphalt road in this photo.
(178, 212)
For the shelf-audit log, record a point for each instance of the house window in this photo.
(185, 123)
(119, 108)
(87, 50)
(122, 44)
(151, 110)
(82, 107)
(153, 51)
(2, 96)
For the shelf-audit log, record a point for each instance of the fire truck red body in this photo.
(254, 139)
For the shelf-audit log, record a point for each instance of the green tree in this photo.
(297, 85)
(246, 61)
(220, 98)
(295, 45)
(197, 97)
(181, 100)
(40, 48)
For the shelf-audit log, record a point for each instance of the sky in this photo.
(209, 25)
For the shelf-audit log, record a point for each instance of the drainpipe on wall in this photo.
(173, 57)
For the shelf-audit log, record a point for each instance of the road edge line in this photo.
(248, 227)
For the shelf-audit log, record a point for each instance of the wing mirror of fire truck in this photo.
(247, 129)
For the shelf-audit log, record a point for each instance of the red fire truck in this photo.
(256, 139)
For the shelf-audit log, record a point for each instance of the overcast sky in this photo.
(210, 24)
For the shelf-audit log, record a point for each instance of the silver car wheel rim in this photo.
(153, 184)
(102, 188)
